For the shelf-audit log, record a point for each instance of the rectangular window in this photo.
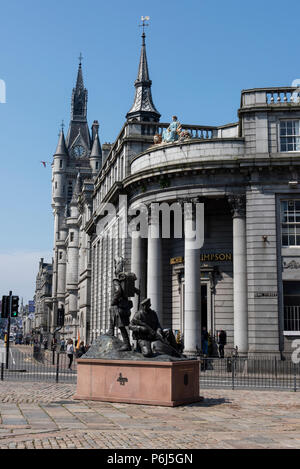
(290, 222)
(71, 237)
(60, 163)
(291, 292)
(290, 135)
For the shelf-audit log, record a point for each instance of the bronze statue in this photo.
(150, 336)
(123, 288)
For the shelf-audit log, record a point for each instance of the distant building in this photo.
(40, 308)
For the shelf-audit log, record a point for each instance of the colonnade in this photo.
(146, 261)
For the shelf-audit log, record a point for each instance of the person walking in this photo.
(70, 352)
(222, 340)
(81, 350)
(62, 345)
(204, 339)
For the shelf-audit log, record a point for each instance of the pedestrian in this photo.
(81, 350)
(70, 352)
(62, 345)
(53, 343)
(222, 340)
(204, 340)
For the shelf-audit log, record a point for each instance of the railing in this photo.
(292, 318)
(270, 96)
(26, 363)
(152, 128)
(239, 373)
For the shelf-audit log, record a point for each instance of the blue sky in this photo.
(201, 55)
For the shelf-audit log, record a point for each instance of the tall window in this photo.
(290, 135)
(290, 222)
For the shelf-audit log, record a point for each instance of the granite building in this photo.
(245, 279)
(42, 298)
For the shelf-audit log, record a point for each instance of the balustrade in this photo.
(271, 96)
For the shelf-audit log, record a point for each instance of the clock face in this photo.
(78, 151)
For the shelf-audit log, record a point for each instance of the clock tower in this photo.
(76, 162)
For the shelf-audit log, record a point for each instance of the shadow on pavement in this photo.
(207, 402)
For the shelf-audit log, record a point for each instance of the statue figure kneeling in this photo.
(149, 334)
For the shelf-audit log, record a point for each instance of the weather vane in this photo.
(80, 58)
(143, 19)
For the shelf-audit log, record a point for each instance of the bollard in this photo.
(57, 367)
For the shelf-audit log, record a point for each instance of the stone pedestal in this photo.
(164, 383)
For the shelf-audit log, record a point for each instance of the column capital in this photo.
(237, 204)
(185, 202)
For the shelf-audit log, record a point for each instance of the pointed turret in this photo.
(96, 155)
(61, 149)
(96, 150)
(58, 169)
(143, 107)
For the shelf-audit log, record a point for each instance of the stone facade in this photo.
(43, 291)
(244, 279)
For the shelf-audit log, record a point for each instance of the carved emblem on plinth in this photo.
(122, 380)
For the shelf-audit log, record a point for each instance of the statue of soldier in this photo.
(123, 288)
(149, 334)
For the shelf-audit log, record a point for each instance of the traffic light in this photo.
(5, 307)
(14, 306)
(61, 316)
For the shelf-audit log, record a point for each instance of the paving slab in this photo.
(43, 416)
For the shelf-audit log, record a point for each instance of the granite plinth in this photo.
(164, 383)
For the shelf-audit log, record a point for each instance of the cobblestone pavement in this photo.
(41, 415)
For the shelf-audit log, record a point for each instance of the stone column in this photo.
(138, 266)
(192, 287)
(154, 267)
(240, 305)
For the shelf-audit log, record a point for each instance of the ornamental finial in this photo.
(144, 24)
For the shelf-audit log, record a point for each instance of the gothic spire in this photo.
(79, 97)
(143, 107)
(79, 112)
